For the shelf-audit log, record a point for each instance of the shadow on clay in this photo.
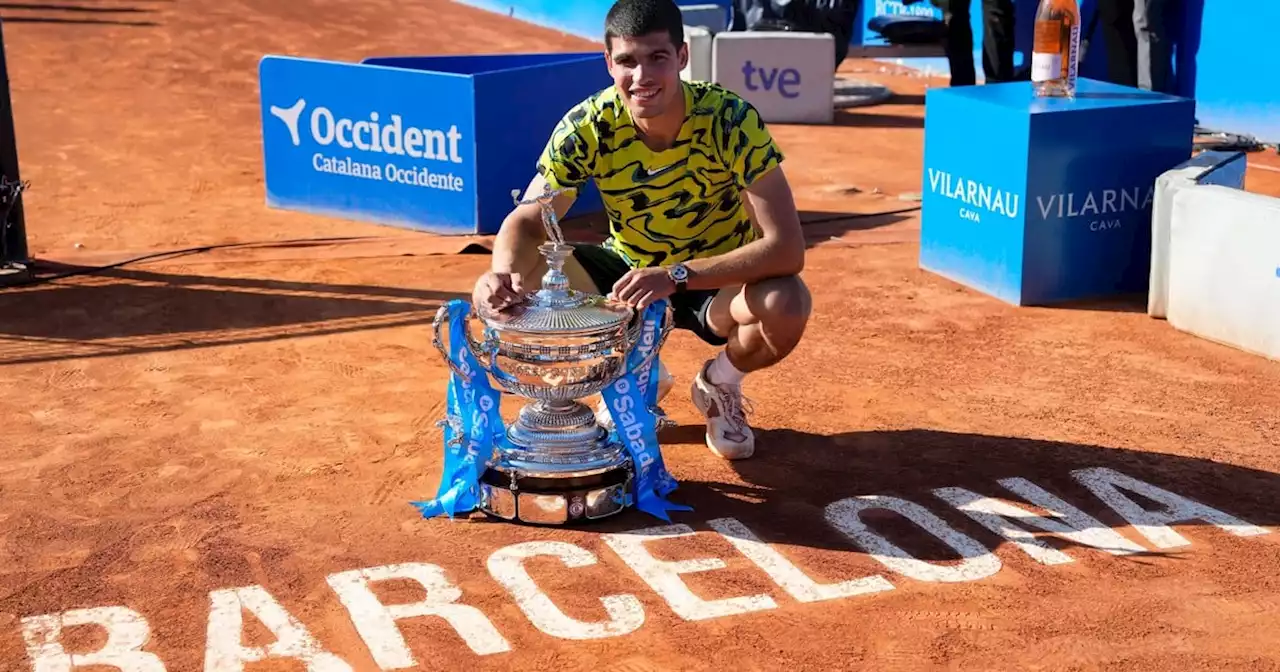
(788, 485)
(820, 227)
(68, 14)
(906, 99)
(121, 311)
(856, 119)
(1126, 303)
(117, 311)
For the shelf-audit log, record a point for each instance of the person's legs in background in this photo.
(1154, 57)
(840, 22)
(959, 44)
(998, 39)
(1116, 21)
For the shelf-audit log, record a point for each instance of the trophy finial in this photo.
(555, 250)
(549, 220)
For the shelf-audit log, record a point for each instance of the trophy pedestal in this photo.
(561, 468)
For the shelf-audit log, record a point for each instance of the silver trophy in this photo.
(558, 346)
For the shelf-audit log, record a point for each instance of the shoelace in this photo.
(734, 405)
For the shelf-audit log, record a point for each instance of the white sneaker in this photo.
(665, 382)
(728, 434)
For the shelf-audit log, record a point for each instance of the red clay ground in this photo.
(263, 416)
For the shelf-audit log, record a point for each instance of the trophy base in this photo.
(560, 468)
(546, 500)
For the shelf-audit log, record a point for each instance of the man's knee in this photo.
(779, 301)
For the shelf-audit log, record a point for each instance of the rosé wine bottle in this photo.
(1055, 53)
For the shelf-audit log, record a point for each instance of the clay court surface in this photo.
(263, 415)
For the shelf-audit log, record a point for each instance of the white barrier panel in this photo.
(698, 40)
(789, 77)
(1221, 168)
(712, 17)
(1224, 267)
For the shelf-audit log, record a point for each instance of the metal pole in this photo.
(12, 229)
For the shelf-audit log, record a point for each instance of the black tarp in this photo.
(835, 17)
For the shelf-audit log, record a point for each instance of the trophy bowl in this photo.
(557, 465)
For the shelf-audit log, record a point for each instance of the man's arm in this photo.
(778, 252)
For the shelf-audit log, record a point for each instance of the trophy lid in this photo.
(564, 312)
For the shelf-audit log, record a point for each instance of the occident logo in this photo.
(371, 135)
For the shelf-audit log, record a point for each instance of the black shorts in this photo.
(690, 307)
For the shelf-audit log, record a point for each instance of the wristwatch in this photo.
(680, 274)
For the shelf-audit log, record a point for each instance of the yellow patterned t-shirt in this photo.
(675, 205)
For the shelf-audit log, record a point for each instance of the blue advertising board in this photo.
(1041, 201)
(870, 9)
(427, 143)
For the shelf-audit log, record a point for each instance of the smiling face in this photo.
(646, 73)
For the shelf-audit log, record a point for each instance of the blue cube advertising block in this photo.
(1041, 201)
(434, 143)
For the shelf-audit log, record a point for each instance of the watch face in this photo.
(679, 272)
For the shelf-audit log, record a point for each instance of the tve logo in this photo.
(785, 75)
(786, 81)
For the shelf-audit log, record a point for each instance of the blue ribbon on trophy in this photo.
(631, 400)
(473, 424)
(474, 430)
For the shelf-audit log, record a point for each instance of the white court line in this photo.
(1262, 167)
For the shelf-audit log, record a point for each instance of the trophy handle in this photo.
(667, 325)
(437, 324)
(490, 348)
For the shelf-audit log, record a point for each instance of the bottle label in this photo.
(1048, 37)
(1073, 68)
(1046, 67)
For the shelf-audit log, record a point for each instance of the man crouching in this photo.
(699, 210)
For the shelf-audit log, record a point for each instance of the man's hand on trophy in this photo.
(497, 292)
(643, 286)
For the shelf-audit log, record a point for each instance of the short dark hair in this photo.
(634, 18)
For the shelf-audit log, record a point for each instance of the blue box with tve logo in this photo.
(1040, 201)
(433, 143)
